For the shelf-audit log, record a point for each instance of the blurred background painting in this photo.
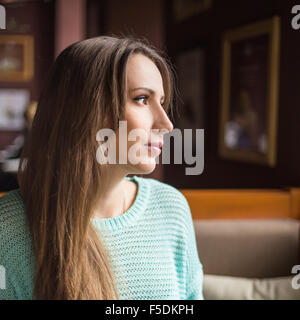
(250, 82)
(16, 57)
(11, 57)
(13, 104)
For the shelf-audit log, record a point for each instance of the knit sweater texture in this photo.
(152, 246)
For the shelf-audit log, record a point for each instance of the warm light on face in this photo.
(144, 112)
(139, 140)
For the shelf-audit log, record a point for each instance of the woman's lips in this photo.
(157, 144)
(154, 147)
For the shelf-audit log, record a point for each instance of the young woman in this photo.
(78, 229)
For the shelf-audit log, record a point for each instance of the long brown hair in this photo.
(59, 176)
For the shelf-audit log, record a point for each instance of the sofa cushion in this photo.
(235, 288)
(257, 248)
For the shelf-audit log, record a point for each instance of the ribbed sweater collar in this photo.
(132, 214)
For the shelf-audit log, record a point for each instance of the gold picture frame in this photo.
(16, 58)
(249, 93)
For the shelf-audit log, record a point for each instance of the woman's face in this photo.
(143, 111)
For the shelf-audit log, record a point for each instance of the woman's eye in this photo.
(141, 99)
(144, 100)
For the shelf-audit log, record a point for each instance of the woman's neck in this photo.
(116, 199)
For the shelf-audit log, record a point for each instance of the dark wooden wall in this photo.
(38, 16)
(33, 18)
(206, 29)
(36, 19)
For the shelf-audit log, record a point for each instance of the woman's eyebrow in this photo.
(147, 89)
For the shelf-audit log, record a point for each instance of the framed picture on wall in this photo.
(190, 66)
(183, 9)
(13, 104)
(249, 97)
(16, 57)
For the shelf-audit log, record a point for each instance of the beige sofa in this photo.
(249, 258)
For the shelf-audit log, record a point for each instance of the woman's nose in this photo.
(170, 126)
(162, 121)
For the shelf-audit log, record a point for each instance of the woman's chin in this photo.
(147, 167)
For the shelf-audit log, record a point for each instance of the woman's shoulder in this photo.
(12, 209)
(16, 254)
(168, 200)
(11, 198)
(13, 228)
(165, 192)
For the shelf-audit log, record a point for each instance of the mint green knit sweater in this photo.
(152, 246)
